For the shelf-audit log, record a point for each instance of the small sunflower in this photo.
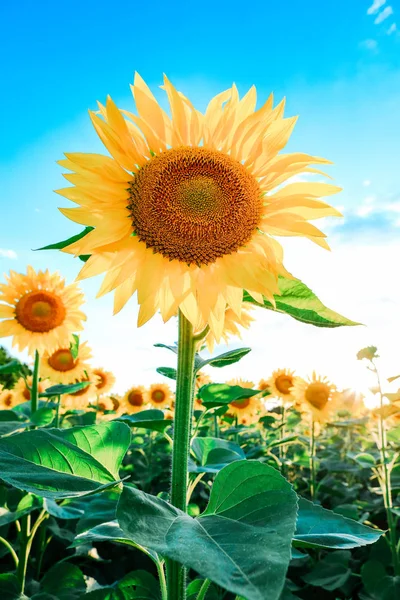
(351, 402)
(159, 395)
(169, 414)
(281, 384)
(200, 380)
(105, 380)
(104, 404)
(317, 395)
(61, 366)
(40, 311)
(185, 210)
(134, 400)
(7, 398)
(245, 410)
(21, 391)
(264, 386)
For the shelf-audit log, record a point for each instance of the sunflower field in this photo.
(193, 487)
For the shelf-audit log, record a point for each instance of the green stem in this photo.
(162, 580)
(312, 459)
(216, 428)
(387, 488)
(181, 446)
(57, 421)
(26, 537)
(35, 384)
(10, 549)
(204, 589)
(282, 453)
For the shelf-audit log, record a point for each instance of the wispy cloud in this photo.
(376, 5)
(392, 29)
(7, 253)
(371, 45)
(383, 15)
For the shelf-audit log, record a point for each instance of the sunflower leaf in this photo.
(299, 302)
(11, 367)
(152, 419)
(68, 242)
(60, 389)
(223, 360)
(56, 463)
(242, 540)
(220, 394)
(167, 372)
(74, 346)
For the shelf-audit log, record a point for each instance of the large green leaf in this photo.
(138, 585)
(220, 394)
(378, 583)
(64, 463)
(241, 541)
(213, 454)
(298, 301)
(318, 527)
(25, 506)
(64, 581)
(331, 572)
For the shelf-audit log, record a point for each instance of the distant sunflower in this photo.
(104, 404)
(61, 366)
(184, 210)
(201, 379)
(245, 410)
(159, 395)
(7, 398)
(264, 385)
(40, 311)
(316, 395)
(22, 392)
(134, 399)
(105, 380)
(281, 384)
(81, 398)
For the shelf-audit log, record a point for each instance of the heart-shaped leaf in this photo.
(318, 527)
(65, 463)
(298, 301)
(64, 581)
(213, 454)
(241, 541)
(138, 585)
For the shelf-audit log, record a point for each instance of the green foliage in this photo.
(235, 542)
(221, 394)
(138, 585)
(61, 389)
(299, 302)
(65, 463)
(213, 454)
(147, 419)
(64, 581)
(10, 369)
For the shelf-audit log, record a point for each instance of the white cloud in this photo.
(366, 183)
(383, 15)
(376, 5)
(392, 29)
(7, 253)
(369, 44)
(364, 211)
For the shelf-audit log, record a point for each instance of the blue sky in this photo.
(338, 64)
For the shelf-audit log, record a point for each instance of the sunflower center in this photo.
(27, 394)
(83, 390)
(135, 399)
(40, 311)
(194, 205)
(317, 394)
(102, 380)
(284, 383)
(62, 360)
(8, 400)
(115, 402)
(241, 404)
(158, 396)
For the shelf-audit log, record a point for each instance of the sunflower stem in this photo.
(57, 418)
(181, 446)
(35, 384)
(312, 459)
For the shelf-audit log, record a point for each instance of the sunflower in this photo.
(281, 384)
(159, 395)
(185, 209)
(62, 367)
(40, 311)
(134, 400)
(105, 380)
(21, 391)
(264, 386)
(7, 398)
(317, 395)
(231, 326)
(245, 410)
(104, 404)
(350, 402)
(200, 380)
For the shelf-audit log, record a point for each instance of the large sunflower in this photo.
(62, 367)
(105, 381)
(160, 395)
(184, 210)
(317, 395)
(231, 326)
(40, 311)
(22, 392)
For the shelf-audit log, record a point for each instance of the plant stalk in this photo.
(312, 459)
(35, 384)
(181, 445)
